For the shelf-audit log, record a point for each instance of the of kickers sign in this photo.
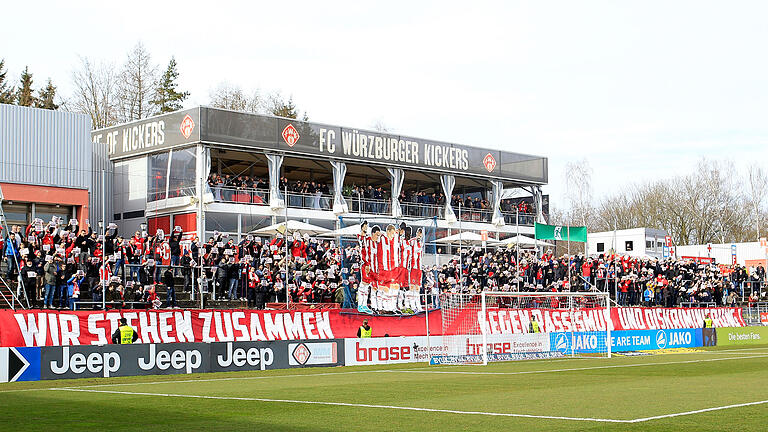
(19, 364)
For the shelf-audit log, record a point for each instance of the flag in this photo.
(561, 232)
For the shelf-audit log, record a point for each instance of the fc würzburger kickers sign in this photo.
(259, 133)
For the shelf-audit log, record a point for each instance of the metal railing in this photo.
(240, 195)
(752, 313)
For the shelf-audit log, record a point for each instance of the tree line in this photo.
(715, 203)
(136, 89)
(24, 94)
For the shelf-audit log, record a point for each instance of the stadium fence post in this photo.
(482, 328)
(608, 324)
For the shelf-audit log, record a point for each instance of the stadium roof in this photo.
(246, 131)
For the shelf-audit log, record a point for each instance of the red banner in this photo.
(46, 328)
(504, 321)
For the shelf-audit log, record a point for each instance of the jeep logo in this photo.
(261, 357)
(177, 359)
(103, 363)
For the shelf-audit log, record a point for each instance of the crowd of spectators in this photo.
(229, 188)
(631, 281)
(368, 199)
(61, 264)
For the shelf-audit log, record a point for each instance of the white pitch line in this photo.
(424, 370)
(230, 378)
(357, 405)
(644, 419)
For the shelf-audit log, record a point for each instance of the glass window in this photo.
(648, 244)
(158, 173)
(16, 214)
(183, 169)
(221, 222)
(601, 247)
(628, 245)
(46, 212)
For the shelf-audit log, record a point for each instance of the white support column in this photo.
(397, 175)
(448, 182)
(276, 198)
(339, 172)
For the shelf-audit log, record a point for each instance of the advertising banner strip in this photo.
(36, 328)
(183, 358)
(742, 335)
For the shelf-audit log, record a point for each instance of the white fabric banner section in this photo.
(276, 199)
(339, 172)
(397, 175)
(203, 167)
(411, 349)
(448, 182)
(499, 193)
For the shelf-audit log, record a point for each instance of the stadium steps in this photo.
(8, 299)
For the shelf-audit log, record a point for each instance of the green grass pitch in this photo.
(722, 389)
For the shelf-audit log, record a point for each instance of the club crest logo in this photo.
(187, 125)
(290, 135)
(661, 339)
(301, 354)
(489, 162)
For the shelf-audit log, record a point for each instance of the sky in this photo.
(641, 90)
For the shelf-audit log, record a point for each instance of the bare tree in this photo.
(380, 126)
(137, 85)
(95, 92)
(232, 97)
(704, 206)
(578, 178)
(758, 188)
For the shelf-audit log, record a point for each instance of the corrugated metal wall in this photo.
(53, 148)
(44, 147)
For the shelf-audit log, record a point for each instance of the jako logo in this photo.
(661, 339)
(489, 162)
(290, 135)
(561, 343)
(187, 125)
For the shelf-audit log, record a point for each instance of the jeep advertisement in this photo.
(92, 361)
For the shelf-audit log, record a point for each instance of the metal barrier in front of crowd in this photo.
(698, 304)
(753, 313)
(750, 288)
(240, 195)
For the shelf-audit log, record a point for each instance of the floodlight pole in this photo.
(104, 237)
(285, 236)
(517, 247)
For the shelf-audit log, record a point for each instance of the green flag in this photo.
(561, 232)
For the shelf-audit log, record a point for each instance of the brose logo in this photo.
(239, 357)
(103, 363)
(382, 353)
(177, 359)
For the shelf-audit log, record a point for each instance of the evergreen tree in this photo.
(25, 96)
(46, 97)
(167, 98)
(281, 108)
(7, 94)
